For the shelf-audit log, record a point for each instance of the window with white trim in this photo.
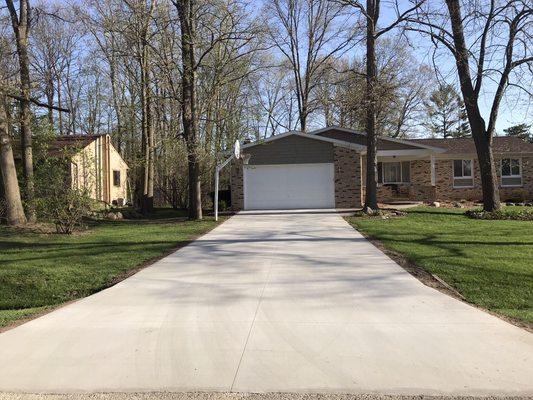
(116, 178)
(394, 172)
(463, 175)
(511, 172)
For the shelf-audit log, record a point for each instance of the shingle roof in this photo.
(502, 144)
(59, 145)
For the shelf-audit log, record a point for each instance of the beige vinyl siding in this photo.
(92, 168)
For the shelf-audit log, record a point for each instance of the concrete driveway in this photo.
(270, 302)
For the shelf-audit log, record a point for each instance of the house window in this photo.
(462, 174)
(394, 172)
(116, 178)
(511, 172)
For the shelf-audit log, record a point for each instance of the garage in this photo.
(289, 186)
(296, 170)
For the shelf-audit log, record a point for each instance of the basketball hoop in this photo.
(237, 149)
(238, 155)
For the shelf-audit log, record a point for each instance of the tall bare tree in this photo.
(187, 10)
(309, 34)
(14, 210)
(491, 43)
(20, 21)
(142, 18)
(371, 13)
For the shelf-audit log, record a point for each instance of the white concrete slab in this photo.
(270, 302)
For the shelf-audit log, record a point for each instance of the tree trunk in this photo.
(482, 138)
(303, 116)
(21, 30)
(147, 201)
(487, 168)
(50, 99)
(14, 209)
(190, 127)
(371, 201)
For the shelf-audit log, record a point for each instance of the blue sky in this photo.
(515, 106)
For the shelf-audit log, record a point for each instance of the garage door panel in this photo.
(289, 186)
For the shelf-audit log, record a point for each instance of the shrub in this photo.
(3, 210)
(504, 214)
(519, 195)
(222, 205)
(56, 201)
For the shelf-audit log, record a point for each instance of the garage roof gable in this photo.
(384, 143)
(337, 142)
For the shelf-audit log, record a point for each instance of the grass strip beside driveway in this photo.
(489, 262)
(42, 270)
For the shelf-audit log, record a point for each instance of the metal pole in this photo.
(218, 168)
(216, 192)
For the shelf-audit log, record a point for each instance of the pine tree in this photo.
(523, 131)
(463, 127)
(442, 111)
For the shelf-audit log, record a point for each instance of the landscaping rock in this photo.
(399, 213)
(131, 214)
(509, 204)
(457, 204)
(435, 204)
(119, 215)
(529, 204)
(111, 216)
(521, 204)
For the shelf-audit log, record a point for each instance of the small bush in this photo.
(519, 195)
(3, 210)
(56, 200)
(504, 214)
(222, 205)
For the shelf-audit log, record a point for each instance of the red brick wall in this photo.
(237, 186)
(347, 164)
(446, 191)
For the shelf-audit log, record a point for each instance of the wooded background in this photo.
(176, 82)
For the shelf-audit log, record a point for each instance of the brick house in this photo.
(326, 169)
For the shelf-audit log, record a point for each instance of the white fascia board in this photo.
(341, 143)
(414, 152)
(406, 142)
(403, 158)
(467, 156)
(337, 128)
(414, 144)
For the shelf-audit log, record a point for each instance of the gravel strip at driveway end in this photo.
(239, 396)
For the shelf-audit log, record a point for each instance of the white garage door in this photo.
(288, 186)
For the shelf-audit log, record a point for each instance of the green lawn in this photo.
(489, 262)
(38, 271)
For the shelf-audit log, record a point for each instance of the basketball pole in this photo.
(217, 174)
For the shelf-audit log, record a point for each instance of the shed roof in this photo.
(60, 144)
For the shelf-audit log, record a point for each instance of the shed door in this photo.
(289, 186)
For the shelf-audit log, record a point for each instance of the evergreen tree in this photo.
(523, 131)
(442, 111)
(463, 126)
